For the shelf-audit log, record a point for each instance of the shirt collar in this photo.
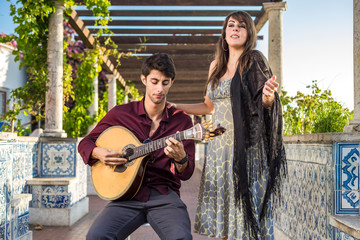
(142, 112)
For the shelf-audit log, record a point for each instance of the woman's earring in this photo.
(222, 45)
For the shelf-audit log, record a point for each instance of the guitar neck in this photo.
(152, 146)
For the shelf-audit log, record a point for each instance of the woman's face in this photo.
(235, 33)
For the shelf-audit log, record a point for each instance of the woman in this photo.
(244, 166)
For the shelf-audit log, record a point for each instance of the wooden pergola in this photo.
(186, 29)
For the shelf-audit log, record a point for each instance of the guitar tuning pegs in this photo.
(206, 139)
(211, 138)
(212, 134)
(209, 121)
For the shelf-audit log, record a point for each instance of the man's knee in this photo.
(95, 234)
(179, 234)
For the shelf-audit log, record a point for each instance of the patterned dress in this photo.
(217, 215)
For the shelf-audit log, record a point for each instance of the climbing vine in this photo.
(81, 66)
(31, 39)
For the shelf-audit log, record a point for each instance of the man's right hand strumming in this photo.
(108, 156)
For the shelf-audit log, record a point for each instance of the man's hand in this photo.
(108, 156)
(174, 149)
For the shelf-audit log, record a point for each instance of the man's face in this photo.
(157, 86)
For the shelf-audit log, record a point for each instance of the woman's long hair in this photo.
(222, 48)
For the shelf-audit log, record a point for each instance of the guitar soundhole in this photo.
(120, 168)
(129, 149)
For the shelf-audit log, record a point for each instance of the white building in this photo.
(11, 77)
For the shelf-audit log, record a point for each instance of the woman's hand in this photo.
(268, 91)
(270, 87)
(171, 104)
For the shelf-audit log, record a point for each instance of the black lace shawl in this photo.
(252, 123)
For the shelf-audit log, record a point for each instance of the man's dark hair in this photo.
(161, 62)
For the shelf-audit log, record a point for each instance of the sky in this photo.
(317, 45)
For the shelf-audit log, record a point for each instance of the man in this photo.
(158, 200)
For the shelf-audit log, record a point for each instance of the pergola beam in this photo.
(163, 31)
(166, 39)
(260, 21)
(190, 43)
(189, 2)
(171, 13)
(181, 64)
(139, 22)
(181, 73)
(89, 41)
(173, 49)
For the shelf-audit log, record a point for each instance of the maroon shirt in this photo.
(133, 117)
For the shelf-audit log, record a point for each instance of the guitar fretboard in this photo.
(154, 145)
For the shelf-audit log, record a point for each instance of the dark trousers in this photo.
(167, 215)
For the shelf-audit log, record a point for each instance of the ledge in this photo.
(18, 198)
(50, 181)
(323, 138)
(349, 224)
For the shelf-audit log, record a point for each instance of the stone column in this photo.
(112, 90)
(274, 12)
(54, 95)
(354, 125)
(94, 108)
(126, 100)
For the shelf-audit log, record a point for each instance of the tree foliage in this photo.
(317, 112)
(81, 65)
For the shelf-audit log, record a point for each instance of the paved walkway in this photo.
(189, 193)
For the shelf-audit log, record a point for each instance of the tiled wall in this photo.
(22, 161)
(323, 179)
(15, 167)
(347, 178)
(59, 160)
(310, 195)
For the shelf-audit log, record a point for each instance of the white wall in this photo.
(10, 75)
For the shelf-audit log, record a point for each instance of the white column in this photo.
(126, 100)
(274, 12)
(111, 90)
(94, 108)
(354, 125)
(126, 92)
(54, 95)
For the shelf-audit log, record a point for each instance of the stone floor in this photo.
(189, 193)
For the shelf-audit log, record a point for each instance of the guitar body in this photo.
(124, 181)
(121, 182)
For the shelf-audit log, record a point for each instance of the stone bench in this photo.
(55, 201)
